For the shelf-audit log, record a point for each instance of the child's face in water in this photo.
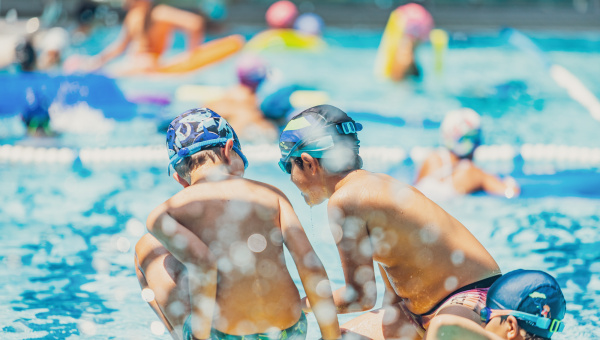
(309, 180)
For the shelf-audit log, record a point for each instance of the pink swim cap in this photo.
(418, 21)
(281, 14)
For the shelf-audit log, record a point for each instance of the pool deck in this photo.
(456, 17)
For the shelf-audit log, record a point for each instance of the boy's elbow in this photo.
(154, 222)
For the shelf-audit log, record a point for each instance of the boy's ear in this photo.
(226, 151)
(180, 180)
(310, 162)
(513, 331)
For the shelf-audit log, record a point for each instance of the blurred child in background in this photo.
(450, 171)
(240, 105)
(416, 23)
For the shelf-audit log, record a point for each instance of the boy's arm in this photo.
(452, 327)
(312, 273)
(198, 260)
(356, 253)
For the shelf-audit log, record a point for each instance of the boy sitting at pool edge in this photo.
(214, 256)
(431, 264)
(521, 305)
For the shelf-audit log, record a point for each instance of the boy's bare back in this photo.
(239, 220)
(417, 243)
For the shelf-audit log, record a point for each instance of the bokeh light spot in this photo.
(148, 294)
(87, 327)
(123, 244)
(257, 243)
(451, 283)
(157, 328)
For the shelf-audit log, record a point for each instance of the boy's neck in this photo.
(212, 173)
(335, 182)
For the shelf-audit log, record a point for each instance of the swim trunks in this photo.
(295, 332)
(472, 296)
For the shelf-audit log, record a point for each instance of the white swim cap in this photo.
(55, 39)
(461, 131)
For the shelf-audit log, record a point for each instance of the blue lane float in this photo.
(97, 91)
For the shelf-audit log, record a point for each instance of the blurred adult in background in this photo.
(449, 171)
(240, 105)
(417, 23)
(147, 28)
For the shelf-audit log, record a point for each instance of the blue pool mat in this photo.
(98, 91)
(571, 183)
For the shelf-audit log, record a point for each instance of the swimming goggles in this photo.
(192, 149)
(552, 325)
(316, 147)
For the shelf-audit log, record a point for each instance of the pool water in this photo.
(68, 232)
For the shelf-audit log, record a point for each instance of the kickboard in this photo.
(206, 54)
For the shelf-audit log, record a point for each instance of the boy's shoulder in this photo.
(267, 187)
(230, 188)
(368, 190)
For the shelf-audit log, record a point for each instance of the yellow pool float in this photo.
(285, 39)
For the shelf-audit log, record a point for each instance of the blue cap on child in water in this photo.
(196, 130)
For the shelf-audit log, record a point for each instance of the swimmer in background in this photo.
(239, 105)
(53, 43)
(284, 15)
(450, 171)
(521, 305)
(281, 15)
(85, 18)
(214, 257)
(35, 115)
(430, 263)
(146, 27)
(26, 56)
(287, 30)
(417, 25)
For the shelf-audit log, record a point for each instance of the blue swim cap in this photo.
(316, 131)
(309, 23)
(196, 130)
(529, 291)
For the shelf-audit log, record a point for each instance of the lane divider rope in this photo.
(156, 154)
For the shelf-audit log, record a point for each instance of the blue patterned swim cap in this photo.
(196, 130)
